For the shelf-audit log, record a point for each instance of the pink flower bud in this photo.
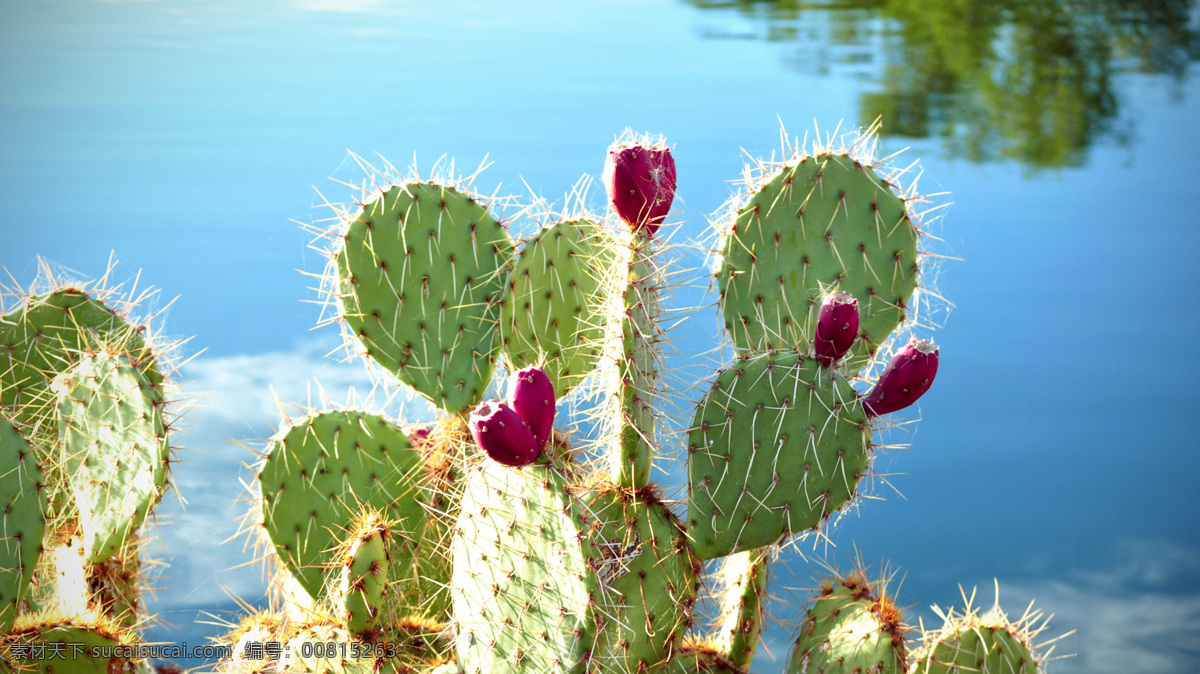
(640, 180)
(502, 434)
(837, 328)
(904, 380)
(531, 395)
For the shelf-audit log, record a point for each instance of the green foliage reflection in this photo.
(1027, 80)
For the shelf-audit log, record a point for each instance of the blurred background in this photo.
(1054, 454)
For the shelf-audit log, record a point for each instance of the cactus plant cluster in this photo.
(503, 537)
(85, 458)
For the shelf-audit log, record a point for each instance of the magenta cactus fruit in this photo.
(531, 396)
(640, 180)
(419, 435)
(837, 328)
(904, 380)
(502, 433)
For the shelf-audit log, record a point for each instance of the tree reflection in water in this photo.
(1026, 80)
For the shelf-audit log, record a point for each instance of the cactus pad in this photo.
(777, 446)
(420, 270)
(320, 472)
(364, 573)
(22, 523)
(648, 580)
(115, 445)
(849, 629)
(554, 299)
(824, 221)
(986, 643)
(41, 338)
(521, 583)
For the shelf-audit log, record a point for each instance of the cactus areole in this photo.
(640, 180)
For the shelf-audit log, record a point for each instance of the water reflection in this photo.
(1026, 80)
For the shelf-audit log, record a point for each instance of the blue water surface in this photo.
(1055, 454)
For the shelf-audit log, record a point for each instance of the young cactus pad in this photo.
(364, 573)
(421, 269)
(777, 445)
(825, 220)
(114, 439)
(554, 300)
(320, 472)
(22, 524)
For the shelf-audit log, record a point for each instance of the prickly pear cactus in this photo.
(554, 298)
(987, 642)
(85, 426)
(778, 445)
(518, 542)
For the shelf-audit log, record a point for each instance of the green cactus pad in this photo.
(320, 472)
(65, 647)
(552, 310)
(22, 522)
(983, 644)
(521, 586)
(43, 337)
(364, 576)
(827, 220)
(648, 580)
(743, 605)
(421, 269)
(115, 442)
(777, 446)
(850, 629)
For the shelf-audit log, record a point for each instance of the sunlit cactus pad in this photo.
(826, 221)
(22, 500)
(553, 305)
(114, 440)
(45, 335)
(522, 587)
(777, 445)
(421, 269)
(851, 627)
(317, 476)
